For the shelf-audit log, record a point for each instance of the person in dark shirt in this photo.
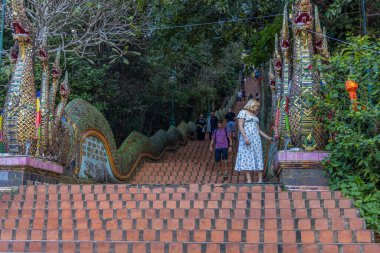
(212, 124)
(250, 96)
(201, 127)
(243, 94)
(230, 117)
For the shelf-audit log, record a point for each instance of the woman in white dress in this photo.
(249, 156)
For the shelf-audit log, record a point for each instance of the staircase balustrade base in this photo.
(301, 168)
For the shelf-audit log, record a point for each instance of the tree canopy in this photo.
(121, 54)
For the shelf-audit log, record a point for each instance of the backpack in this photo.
(225, 130)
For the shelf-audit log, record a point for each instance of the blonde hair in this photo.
(251, 103)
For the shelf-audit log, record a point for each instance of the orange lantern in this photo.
(351, 87)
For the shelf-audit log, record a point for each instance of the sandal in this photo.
(226, 174)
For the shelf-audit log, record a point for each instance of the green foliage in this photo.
(344, 17)
(91, 84)
(263, 43)
(336, 8)
(206, 58)
(354, 163)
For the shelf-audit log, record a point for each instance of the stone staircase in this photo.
(204, 218)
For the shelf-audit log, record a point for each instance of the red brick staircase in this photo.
(199, 212)
(193, 163)
(189, 218)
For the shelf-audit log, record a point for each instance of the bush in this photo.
(355, 129)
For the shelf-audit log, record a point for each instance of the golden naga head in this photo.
(42, 55)
(21, 34)
(278, 65)
(303, 19)
(277, 57)
(21, 25)
(305, 6)
(285, 44)
(272, 85)
(56, 70)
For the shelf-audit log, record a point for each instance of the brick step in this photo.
(248, 199)
(188, 155)
(257, 198)
(209, 161)
(141, 188)
(184, 179)
(155, 177)
(191, 235)
(181, 181)
(158, 181)
(235, 181)
(206, 159)
(201, 150)
(174, 212)
(175, 176)
(184, 169)
(183, 166)
(197, 147)
(231, 161)
(185, 175)
(177, 201)
(188, 159)
(122, 188)
(212, 175)
(180, 247)
(194, 147)
(69, 220)
(182, 162)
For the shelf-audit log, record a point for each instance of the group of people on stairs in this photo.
(249, 154)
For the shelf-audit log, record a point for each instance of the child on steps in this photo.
(223, 144)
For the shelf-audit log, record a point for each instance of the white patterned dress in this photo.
(249, 157)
